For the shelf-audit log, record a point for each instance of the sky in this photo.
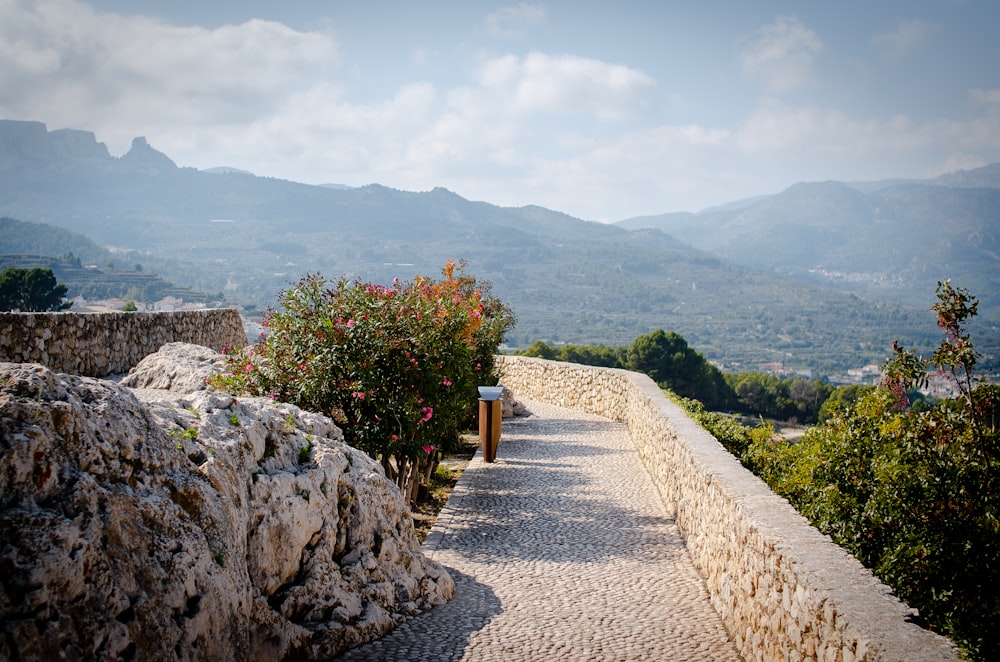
(602, 110)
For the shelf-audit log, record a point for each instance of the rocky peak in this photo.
(76, 144)
(30, 145)
(143, 158)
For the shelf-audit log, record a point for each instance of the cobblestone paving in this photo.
(560, 550)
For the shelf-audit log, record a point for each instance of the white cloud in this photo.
(818, 143)
(908, 36)
(780, 55)
(126, 75)
(988, 98)
(565, 84)
(514, 21)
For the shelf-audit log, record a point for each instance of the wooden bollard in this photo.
(490, 419)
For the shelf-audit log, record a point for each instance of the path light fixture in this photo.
(490, 418)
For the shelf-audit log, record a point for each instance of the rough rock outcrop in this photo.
(155, 525)
(179, 367)
(32, 145)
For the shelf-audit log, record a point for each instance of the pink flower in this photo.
(394, 437)
(350, 324)
(427, 412)
(359, 395)
(249, 368)
(428, 449)
(446, 382)
(273, 396)
(262, 335)
(302, 366)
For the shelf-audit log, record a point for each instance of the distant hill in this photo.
(225, 170)
(897, 237)
(84, 267)
(568, 280)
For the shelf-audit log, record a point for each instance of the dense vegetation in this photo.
(396, 366)
(793, 399)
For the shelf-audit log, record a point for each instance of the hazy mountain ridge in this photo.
(897, 237)
(31, 147)
(568, 280)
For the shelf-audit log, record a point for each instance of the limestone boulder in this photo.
(152, 525)
(177, 366)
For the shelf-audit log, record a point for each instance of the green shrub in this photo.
(733, 435)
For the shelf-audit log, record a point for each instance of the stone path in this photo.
(560, 550)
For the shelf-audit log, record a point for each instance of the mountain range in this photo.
(822, 276)
(897, 237)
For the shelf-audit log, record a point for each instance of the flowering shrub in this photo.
(396, 365)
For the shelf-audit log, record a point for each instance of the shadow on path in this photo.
(437, 635)
(552, 496)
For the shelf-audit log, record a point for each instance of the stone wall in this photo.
(784, 591)
(102, 344)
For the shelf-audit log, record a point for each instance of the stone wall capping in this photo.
(783, 589)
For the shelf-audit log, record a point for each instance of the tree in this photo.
(539, 350)
(670, 362)
(31, 291)
(840, 399)
(597, 355)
